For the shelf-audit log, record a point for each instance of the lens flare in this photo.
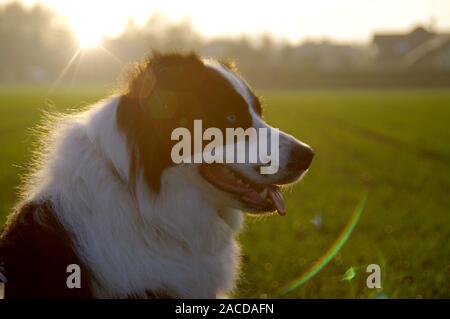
(330, 253)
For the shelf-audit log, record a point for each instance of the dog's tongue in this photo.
(277, 200)
(274, 195)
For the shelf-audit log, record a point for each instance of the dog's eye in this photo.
(231, 118)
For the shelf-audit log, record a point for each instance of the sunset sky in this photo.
(340, 20)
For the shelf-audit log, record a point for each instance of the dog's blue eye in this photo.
(231, 118)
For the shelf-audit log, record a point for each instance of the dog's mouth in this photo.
(257, 197)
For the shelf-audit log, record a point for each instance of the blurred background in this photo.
(302, 44)
(366, 83)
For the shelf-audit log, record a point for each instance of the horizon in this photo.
(345, 22)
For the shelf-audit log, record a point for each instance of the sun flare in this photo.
(87, 35)
(88, 27)
(88, 41)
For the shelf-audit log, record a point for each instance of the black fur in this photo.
(35, 251)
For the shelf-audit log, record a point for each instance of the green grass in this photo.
(393, 143)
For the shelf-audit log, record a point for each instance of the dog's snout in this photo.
(300, 157)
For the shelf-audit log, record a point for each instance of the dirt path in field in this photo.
(382, 138)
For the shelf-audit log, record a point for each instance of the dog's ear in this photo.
(149, 110)
(142, 123)
(142, 82)
(140, 116)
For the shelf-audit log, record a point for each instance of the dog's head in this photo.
(175, 91)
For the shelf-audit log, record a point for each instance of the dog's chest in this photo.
(182, 275)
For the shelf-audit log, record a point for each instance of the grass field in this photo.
(394, 143)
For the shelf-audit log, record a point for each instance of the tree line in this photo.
(37, 45)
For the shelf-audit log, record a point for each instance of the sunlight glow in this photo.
(87, 38)
(343, 20)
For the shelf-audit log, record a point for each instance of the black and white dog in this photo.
(105, 194)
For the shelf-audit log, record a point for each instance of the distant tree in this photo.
(31, 39)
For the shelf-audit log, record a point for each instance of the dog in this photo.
(105, 196)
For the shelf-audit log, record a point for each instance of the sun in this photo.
(89, 41)
(88, 37)
(87, 27)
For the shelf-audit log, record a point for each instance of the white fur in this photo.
(178, 242)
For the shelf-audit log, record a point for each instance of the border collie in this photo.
(105, 195)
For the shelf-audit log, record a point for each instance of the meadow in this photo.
(394, 144)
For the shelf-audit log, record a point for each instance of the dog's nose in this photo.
(300, 157)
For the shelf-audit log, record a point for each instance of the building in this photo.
(419, 48)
